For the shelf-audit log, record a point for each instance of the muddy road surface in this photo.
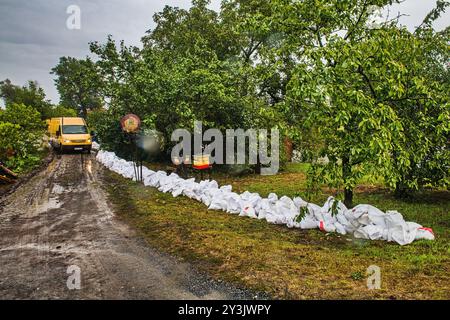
(59, 239)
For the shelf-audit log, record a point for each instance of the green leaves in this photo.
(30, 94)
(21, 131)
(28, 118)
(370, 95)
(367, 91)
(78, 83)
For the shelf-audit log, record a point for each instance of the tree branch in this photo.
(368, 81)
(363, 11)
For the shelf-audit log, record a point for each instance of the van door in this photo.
(58, 136)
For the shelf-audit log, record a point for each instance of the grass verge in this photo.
(291, 263)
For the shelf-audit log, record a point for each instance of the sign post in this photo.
(202, 162)
(131, 125)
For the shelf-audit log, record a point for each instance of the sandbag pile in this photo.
(363, 221)
(95, 146)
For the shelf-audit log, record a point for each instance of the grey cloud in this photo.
(414, 12)
(33, 34)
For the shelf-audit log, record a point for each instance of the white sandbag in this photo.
(271, 213)
(309, 222)
(264, 207)
(185, 185)
(371, 232)
(363, 221)
(272, 197)
(289, 211)
(366, 215)
(226, 188)
(327, 226)
(424, 233)
(248, 211)
(402, 234)
(328, 206)
(233, 203)
(218, 202)
(95, 146)
(299, 202)
(190, 192)
(340, 228)
(280, 213)
(393, 219)
(253, 198)
(146, 172)
(340, 217)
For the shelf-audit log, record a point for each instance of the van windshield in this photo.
(74, 129)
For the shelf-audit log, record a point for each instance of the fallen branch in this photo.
(4, 179)
(7, 172)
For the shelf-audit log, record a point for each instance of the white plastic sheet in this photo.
(363, 221)
(95, 146)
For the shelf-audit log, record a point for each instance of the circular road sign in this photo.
(130, 123)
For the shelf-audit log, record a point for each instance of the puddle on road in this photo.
(58, 189)
(88, 166)
(52, 203)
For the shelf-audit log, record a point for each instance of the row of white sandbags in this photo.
(363, 221)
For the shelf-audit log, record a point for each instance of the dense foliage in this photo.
(21, 130)
(21, 123)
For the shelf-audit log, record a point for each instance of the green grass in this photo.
(292, 263)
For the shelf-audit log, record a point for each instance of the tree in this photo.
(180, 30)
(30, 94)
(325, 91)
(78, 84)
(360, 84)
(424, 109)
(183, 73)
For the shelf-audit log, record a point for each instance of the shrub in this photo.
(26, 117)
(21, 131)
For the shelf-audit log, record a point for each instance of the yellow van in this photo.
(69, 134)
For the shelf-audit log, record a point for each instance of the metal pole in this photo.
(132, 156)
(136, 158)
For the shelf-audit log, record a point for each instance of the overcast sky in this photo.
(33, 33)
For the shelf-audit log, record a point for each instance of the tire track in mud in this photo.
(61, 217)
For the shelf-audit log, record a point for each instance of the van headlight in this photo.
(88, 140)
(67, 141)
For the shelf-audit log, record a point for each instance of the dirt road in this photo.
(59, 225)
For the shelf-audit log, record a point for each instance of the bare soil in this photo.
(61, 217)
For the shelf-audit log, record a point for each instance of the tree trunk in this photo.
(402, 191)
(258, 165)
(348, 197)
(288, 148)
(84, 112)
(346, 172)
